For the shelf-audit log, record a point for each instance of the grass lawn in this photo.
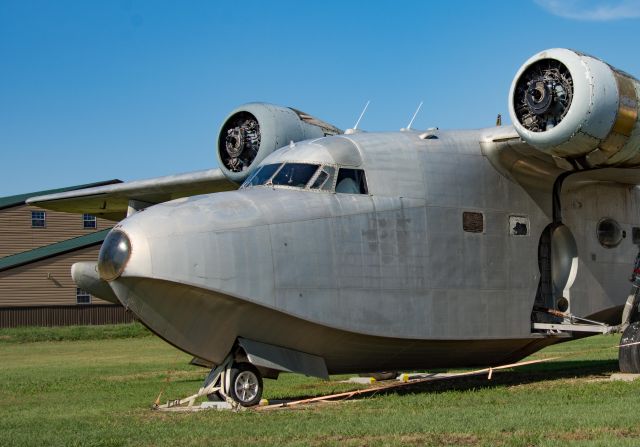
(95, 386)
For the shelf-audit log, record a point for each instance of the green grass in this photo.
(108, 331)
(99, 391)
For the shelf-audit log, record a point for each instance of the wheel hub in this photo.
(246, 386)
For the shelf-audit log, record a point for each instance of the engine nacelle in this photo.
(254, 130)
(577, 107)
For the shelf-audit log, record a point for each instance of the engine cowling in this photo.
(254, 130)
(578, 108)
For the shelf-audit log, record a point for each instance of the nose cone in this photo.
(114, 255)
(218, 242)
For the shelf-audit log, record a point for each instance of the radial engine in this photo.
(578, 108)
(254, 130)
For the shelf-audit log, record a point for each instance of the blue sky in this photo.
(135, 89)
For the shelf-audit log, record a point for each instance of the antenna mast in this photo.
(361, 115)
(414, 115)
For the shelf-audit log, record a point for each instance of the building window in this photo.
(38, 219)
(89, 221)
(82, 297)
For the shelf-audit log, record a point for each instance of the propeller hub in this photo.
(543, 95)
(539, 96)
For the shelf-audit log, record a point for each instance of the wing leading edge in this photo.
(112, 201)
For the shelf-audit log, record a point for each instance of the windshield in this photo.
(261, 175)
(295, 174)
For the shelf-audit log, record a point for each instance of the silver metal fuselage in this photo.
(369, 282)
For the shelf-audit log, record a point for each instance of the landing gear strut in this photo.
(241, 382)
(232, 384)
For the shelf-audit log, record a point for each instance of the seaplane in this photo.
(319, 251)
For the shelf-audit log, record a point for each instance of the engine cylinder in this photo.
(254, 130)
(577, 107)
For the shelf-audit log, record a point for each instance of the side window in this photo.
(38, 219)
(351, 181)
(324, 180)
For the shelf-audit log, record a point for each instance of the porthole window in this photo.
(609, 233)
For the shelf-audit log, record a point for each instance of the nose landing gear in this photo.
(240, 382)
(237, 381)
(231, 385)
(245, 384)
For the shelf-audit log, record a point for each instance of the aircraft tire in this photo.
(245, 384)
(635, 349)
(629, 356)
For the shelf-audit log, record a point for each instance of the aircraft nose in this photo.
(220, 241)
(187, 268)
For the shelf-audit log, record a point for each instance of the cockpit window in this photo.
(309, 176)
(262, 175)
(351, 181)
(324, 180)
(295, 174)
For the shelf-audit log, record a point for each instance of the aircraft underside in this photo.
(204, 316)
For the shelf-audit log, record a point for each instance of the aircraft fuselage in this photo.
(437, 265)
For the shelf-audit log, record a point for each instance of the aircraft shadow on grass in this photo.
(573, 369)
(549, 372)
(570, 369)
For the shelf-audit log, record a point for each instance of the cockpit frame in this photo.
(321, 167)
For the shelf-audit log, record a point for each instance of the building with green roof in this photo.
(37, 249)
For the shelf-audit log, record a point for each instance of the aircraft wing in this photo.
(112, 201)
(517, 160)
(531, 168)
(250, 133)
